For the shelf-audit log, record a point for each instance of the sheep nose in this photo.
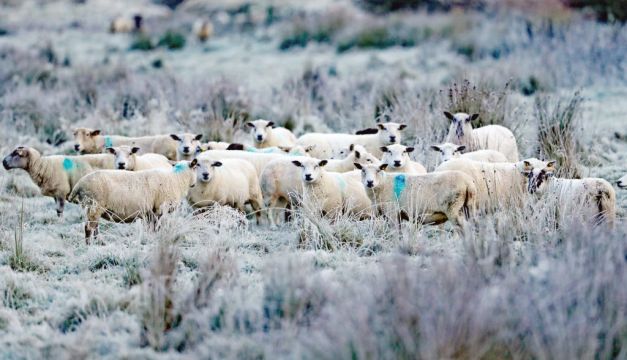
(392, 139)
(397, 163)
(5, 163)
(307, 177)
(185, 149)
(259, 137)
(205, 176)
(370, 183)
(77, 147)
(121, 166)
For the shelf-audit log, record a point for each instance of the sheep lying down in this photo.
(123, 196)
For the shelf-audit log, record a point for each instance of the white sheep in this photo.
(187, 145)
(498, 184)
(123, 196)
(55, 175)
(258, 159)
(230, 182)
(397, 158)
(127, 158)
(222, 145)
(125, 25)
(281, 184)
(432, 198)
(592, 198)
(494, 137)
(327, 145)
(266, 135)
(329, 193)
(450, 151)
(91, 141)
(622, 182)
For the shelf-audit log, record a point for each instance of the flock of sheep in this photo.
(366, 174)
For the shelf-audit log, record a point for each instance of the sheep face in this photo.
(622, 182)
(310, 170)
(85, 140)
(17, 159)
(296, 150)
(538, 174)
(371, 175)
(390, 132)
(183, 166)
(449, 151)
(461, 123)
(261, 129)
(396, 156)
(188, 144)
(206, 170)
(124, 156)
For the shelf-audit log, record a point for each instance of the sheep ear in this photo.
(449, 115)
(286, 149)
(461, 148)
(175, 137)
(235, 146)
(310, 148)
(409, 149)
(250, 124)
(381, 126)
(474, 117)
(550, 166)
(270, 124)
(110, 150)
(297, 163)
(526, 167)
(358, 166)
(383, 166)
(357, 155)
(216, 164)
(198, 137)
(135, 150)
(435, 148)
(402, 126)
(95, 133)
(384, 148)
(352, 147)
(323, 162)
(193, 164)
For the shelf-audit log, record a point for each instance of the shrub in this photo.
(603, 10)
(172, 40)
(380, 38)
(142, 42)
(320, 28)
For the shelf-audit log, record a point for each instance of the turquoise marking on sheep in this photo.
(180, 167)
(399, 185)
(341, 182)
(108, 142)
(68, 164)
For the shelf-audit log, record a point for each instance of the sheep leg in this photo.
(256, 205)
(91, 226)
(60, 205)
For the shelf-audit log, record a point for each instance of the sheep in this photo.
(204, 31)
(450, 151)
(498, 184)
(493, 137)
(125, 25)
(123, 196)
(622, 182)
(327, 144)
(55, 175)
(432, 198)
(232, 182)
(593, 198)
(280, 180)
(91, 141)
(258, 159)
(127, 158)
(188, 145)
(329, 193)
(221, 145)
(397, 158)
(266, 135)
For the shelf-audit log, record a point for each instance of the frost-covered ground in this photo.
(206, 286)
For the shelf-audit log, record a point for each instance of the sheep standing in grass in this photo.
(592, 198)
(266, 135)
(123, 196)
(91, 141)
(188, 145)
(127, 158)
(397, 158)
(498, 184)
(622, 182)
(494, 137)
(329, 193)
(258, 159)
(230, 182)
(281, 184)
(55, 175)
(429, 199)
(326, 145)
(450, 151)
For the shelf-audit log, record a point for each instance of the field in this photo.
(530, 283)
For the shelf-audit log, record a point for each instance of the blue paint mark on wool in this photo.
(341, 182)
(68, 164)
(180, 167)
(399, 185)
(108, 142)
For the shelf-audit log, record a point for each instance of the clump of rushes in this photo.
(172, 40)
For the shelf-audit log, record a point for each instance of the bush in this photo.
(386, 6)
(603, 10)
(172, 40)
(380, 38)
(320, 28)
(142, 42)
